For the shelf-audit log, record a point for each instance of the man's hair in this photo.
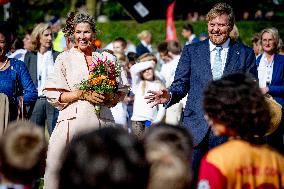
(237, 102)
(105, 158)
(219, 9)
(163, 47)
(142, 35)
(23, 152)
(121, 40)
(188, 27)
(168, 150)
(174, 47)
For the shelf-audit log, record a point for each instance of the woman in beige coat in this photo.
(77, 109)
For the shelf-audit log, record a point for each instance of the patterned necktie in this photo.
(217, 66)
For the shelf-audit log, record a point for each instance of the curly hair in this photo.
(74, 18)
(237, 102)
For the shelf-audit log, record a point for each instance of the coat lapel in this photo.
(205, 63)
(275, 68)
(232, 57)
(33, 68)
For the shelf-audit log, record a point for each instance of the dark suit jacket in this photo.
(192, 75)
(276, 87)
(31, 61)
(141, 49)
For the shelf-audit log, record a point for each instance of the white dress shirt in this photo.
(265, 70)
(44, 66)
(224, 53)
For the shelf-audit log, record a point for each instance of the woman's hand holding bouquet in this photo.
(101, 87)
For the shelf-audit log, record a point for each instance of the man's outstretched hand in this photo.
(158, 97)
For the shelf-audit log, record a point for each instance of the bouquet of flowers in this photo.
(103, 77)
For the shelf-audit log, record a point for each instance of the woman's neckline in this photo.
(4, 66)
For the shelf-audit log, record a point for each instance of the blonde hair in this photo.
(234, 34)
(274, 32)
(168, 170)
(219, 9)
(147, 57)
(143, 58)
(142, 35)
(37, 34)
(23, 151)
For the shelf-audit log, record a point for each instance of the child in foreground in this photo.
(235, 107)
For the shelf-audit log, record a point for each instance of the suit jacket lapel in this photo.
(232, 57)
(205, 57)
(33, 67)
(275, 68)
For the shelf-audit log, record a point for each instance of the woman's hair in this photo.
(74, 18)
(23, 152)
(168, 149)
(37, 34)
(104, 159)
(142, 35)
(274, 32)
(219, 9)
(147, 57)
(234, 34)
(237, 102)
(4, 29)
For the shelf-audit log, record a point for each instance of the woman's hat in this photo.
(275, 112)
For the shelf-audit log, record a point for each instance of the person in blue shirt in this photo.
(14, 76)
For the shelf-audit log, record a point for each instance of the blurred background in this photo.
(122, 18)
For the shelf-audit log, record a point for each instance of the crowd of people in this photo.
(193, 115)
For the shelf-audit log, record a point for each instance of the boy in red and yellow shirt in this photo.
(235, 107)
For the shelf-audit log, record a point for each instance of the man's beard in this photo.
(218, 40)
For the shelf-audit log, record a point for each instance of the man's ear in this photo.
(231, 27)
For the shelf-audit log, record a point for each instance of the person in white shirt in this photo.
(170, 53)
(40, 61)
(143, 79)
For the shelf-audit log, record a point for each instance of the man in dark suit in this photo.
(199, 64)
(144, 46)
(39, 62)
(188, 33)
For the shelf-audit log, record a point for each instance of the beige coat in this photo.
(69, 70)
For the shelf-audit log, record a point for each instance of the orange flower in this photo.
(112, 82)
(96, 81)
(103, 76)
